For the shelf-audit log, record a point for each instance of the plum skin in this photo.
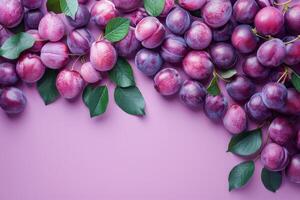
(127, 5)
(32, 18)
(55, 55)
(173, 49)
(103, 11)
(167, 81)
(241, 88)
(281, 131)
(274, 157)
(38, 44)
(178, 21)
(293, 169)
(192, 93)
(256, 109)
(235, 119)
(82, 17)
(12, 100)
(253, 69)
(243, 39)
(192, 5)
(292, 19)
(30, 68)
(79, 41)
(8, 74)
(292, 106)
(274, 95)
(244, 11)
(89, 73)
(223, 55)
(69, 83)
(103, 55)
(51, 27)
(292, 52)
(198, 36)
(11, 13)
(169, 5)
(148, 61)
(32, 4)
(215, 107)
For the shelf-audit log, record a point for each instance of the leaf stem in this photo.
(216, 74)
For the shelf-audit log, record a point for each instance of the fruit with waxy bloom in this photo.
(281, 131)
(224, 33)
(198, 36)
(32, 4)
(55, 55)
(274, 95)
(51, 27)
(192, 5)
(150, 32)
(30, 68)
(39, 43)
(241, 88)
(244, 11)
(148, 61)
(103, 55)
(167, 81)
(178, 21)
(173, 49)
(215, 107)
(292, 19)
(223, 55)
(129, 46)
(292, 106)
(79, 41)
(243, 39)
(69, 83)
(127, 5)
(235, 119)
(82, 17)
(253, 69)
(8, 75)
(293, 169)
(256, 109)
(11, 13)
(89, 73)
(102, 12)
(274, 157)
(192, 93)
(32, 19)
(292, 56)
(12, 100)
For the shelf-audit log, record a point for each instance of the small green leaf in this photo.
(122, 74)
(228, 74)
(96, 99)
(271, 180)
(54, 6)
(116, 29)
(130, 100)
(213, 87)
(296, 81)
(246, 143)
(69, 7)
(240, 175)
(154, 7)
(16, 44)
(47, 88)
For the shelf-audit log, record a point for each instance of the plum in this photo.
(274, 157)
(253, 69)
(235, 119)
(256, 109)
(51, 27)
(274, 95)
(243, 39)
(32, 4)
(82, 17)
(167, 81)
(89, 73)
(292, 52)
(79, 41)
(129, 46)
(32, 19)
(198, 36)
(292, 19)
(215, 107)
(244, 11)
(192, 93)
(292, 106)
(148, 61)
(293, 169)
(55, 55)
(223, 55)
(178, 21)
(192, 5)
(12, 100)
(8, 75)
(281, 131)
(127, 5)
(102, 12)
(173, 49)
(11, 13)
(241, 88)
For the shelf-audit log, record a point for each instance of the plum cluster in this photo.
(184, 49)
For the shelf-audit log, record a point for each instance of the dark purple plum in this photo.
(253, 69)
(12, 100)
(192, 93)
(11, 13)
(293, 169)
(127, 5)
(243, 39)
(167, 81)
(82, 17)
(129, 46)
(223, 33)
(269, 21)
(102, 12)
(235, 119)
(217, 13)
(271, 53)
(292, 106)
(292, 52)
(32, 4)
(274, 95)
(276, 74)
(198, 65)
(274, 157)
(32, 19)
(241, 88)
(244, 11)
(51, 27)
(198, 36)
(292, 19)
(281, 131)
(178, 21)
(8, 75)
(223, 55)
(55, 55)
(173, 49)
(215, 107)
(79, 41)
(256, 109)
(148, 61)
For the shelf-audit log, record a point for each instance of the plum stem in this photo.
(260, 36)
(283, 76)
(283, 3)
(293, 40)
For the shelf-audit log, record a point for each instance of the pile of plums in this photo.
(202, 38)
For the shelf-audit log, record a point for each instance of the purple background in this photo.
(58, 153)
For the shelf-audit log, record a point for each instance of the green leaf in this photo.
(122, 74)
(246, 143)
(16, 44)
(213, 87)
(130, 100)
(69, 7)
(228, 74)
(296, 81)
(96, 99)
(47, 88)
(154, 7)
(271, 180)
(54, 6)
(240, 175)
(117, 29)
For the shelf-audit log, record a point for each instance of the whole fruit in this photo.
(274, 95)
(167, 81)
(8, 75)
(178, 21)
(82, 17)
(292, 19)
(292, 52)
(148, 61)
(173, 49)
(51, 27)
(244, 11)
(223, 55)
(55, 55)
(215, 107)
(253, 69)
(129, 46)
(274, 157)
(102, 12)
(79, 41)
(281, 131)
(198, 36)
(241, 88)
(127, 5)
(32, 19)
(243, 39)
(89, 73)
(256, 109)
(192, 93)
(292, 106)
(11, 13)
(235, 119)
(12, 100)
(293, 169)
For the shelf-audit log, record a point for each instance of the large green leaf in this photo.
(54, 6)
(240, 175)
(271, 180)
(47, 88)
(296, 81)
(154, 7)
(116, 29)
(69, 7)
(228, 73)
(213, 87)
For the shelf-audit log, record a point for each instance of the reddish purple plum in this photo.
(224, 33)
(281, 131)
(103, 55)
(244, 11)
(241, 88)
(223, 55)
(198, 65)
(55, 55)
(12, 100)
(292, 52)
(253, 69)
(32, 4)
(11, 13)
(167, 81)
(192, 5)
(173, 49)
(8, 75)
(274, 157)
(293, 169)
(148, 61)
(292, 106)
(292, 19)
(69, 84)
(127, 5)
(39, 43)
(82, 17)
(274, 95)
(215, 107)
(129, 46)
(243, 39)
(79, 41)
(102, 12)
(256, 109)
(178, 21)
(30, 68)
(89, 73)
(198, 36)
(51, 27)
(235, 119)
(32, 19)
(150, 32)
(192, 93)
